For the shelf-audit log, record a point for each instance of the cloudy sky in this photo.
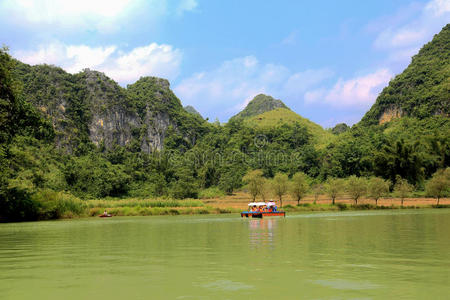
(325, 59)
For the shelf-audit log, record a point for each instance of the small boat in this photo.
(262, 209)
(105, 216)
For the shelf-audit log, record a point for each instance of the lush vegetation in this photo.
(50, 167)
(423, 89)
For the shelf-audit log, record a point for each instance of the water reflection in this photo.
(262, 232)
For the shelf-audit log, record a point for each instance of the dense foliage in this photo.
(423, 89)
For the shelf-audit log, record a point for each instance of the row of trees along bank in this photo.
(300, 185)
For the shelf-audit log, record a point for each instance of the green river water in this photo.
(395, 254)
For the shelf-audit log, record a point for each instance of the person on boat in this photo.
(272, 205)
(105, 213)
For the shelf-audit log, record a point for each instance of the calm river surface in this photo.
(364, 255)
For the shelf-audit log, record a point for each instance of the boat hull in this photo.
(249, 214)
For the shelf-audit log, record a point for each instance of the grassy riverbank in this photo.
(138, 210)
(61, 205)
(238, 202)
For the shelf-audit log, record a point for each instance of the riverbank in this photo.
(238, 202)
(55, 205)
(306, 207)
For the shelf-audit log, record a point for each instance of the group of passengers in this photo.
(269, 207)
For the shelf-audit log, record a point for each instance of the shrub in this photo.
(365, 206)
(54, 205)
(341, 206)
(212, 192)
(16, 204)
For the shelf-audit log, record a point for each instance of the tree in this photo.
(334, 187)
(400, 158)
(10, 104)
(317, 191)
(356, 187)
(377, 188)
(439, 185)
(402, 188)
(265, 190)
(15, 201)
(280, 186)
(230, 179)
(254, 181)
(185, 186)
(299, 186)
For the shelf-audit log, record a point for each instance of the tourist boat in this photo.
(262, 209)
(105, 216)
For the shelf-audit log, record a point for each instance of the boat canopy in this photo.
(257, 204)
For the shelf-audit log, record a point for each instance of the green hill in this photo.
(280, 116)
(258, 105)
(422, 90)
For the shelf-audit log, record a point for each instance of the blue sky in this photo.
(327, 60)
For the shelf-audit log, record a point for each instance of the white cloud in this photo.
(438, 7)
(104, 16)
(228, 88)
(65, 11)
(186, 5)
(124, 67)
(156, 60)
(407, 31)
(299, 82)
(360, 91)
(291, 39)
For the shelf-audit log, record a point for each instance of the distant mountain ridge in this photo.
(422, 89)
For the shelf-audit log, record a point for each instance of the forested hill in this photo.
(422, 90)
(258, 105)
(88, 107)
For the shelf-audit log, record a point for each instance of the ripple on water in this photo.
(227, 285)
(341, 284)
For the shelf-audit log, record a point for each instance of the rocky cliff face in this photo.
(89, 106)
(391, 113)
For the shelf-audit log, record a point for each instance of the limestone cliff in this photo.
(90, 107)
